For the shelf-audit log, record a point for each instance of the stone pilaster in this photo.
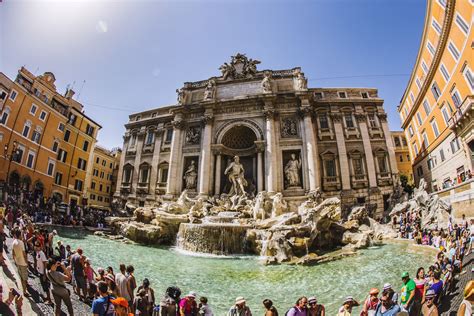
(369, 156)
(205, 168)
(136, 164)
(155, 161)
(341, 149)
(175, 159)
(119, 179)
(310, 146)
(260, 150)
(270, 150)
(217, 180)
(390, 147)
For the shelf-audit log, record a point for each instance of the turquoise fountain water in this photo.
(222, 280)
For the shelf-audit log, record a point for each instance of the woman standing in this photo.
(270, 309)
(420, 289)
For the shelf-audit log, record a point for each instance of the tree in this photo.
(408, 188)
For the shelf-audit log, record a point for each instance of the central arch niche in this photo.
(239, 140)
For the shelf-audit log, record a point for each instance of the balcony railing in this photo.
(463, 112)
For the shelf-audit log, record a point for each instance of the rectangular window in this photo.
(18, 156)
(442, 3)
(424, 66)
(42, 115)
(456, 98)
(50, 170)
(418, 116)
(396, 140)
(111, 165)
(55, 147)
(59, 178)
(107, 189)
(372, 120)
(323, 121)
(405, 111)
(4, 117)
(404, 141)
(454, 51)
(99, 198)
(445, 115)
(410, 130)
(30, 160)
(169, 135)
(427, 107)
(412, 97)
(101, 187)
(348, 120)
(469, 77)
(164, 175)
(462, 24)
(365, 95)
(62, 155)
(78, 185)
(454, 145)
(435, 90)
(357, 164)
(61, 127)
(13, 95)
(26, 130)
(33, 109)
(92, 196)
(3, 95)
(434, 126)
(93, 185)
(97, 160)
(149, 138)
(415, 147)
(342, 95)
(85, 146)
(436, 26)
(425, 140)
(431, 49)
(418, 83)
(441, 154)
(89, 130)
(72, 119)
(318, 95)
(419, 171)
(36, 137)
(330, 168)
(382, 164)
(144, 175)
(401, 158)
(67, 134)
(444, 72)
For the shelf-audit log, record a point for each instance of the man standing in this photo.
(408, 293)
(103, 305)
(21, 261)
(239, 309)
(41, 262)
(77, 264)
(122, 283)
(387, 306)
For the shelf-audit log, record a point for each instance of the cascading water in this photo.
(218, 235)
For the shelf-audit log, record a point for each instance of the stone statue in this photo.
(267, 83)
(292, 171)
(190, 176)
(301, 83)
(210, 90)
(181, 96)
(279, 205)
(251, 67)
(258, 210)
(226, 71)
(235, 172)
(193, 135)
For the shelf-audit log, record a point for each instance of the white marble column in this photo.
(390, 147)
(270, 151)
(310, 146)
(259, 171)
(341, 149)
(205, 168)
(369, 156)
(119, 179)
(217, 180)
(155, 161)
(175, 160)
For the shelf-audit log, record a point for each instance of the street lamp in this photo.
(14, 152)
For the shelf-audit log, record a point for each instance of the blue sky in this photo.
(134, 54)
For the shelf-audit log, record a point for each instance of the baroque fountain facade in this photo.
(256, 162)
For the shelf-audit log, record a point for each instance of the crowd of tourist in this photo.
(38, 250)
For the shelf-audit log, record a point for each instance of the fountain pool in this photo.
(222, 280)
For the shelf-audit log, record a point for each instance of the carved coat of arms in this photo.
(240, 67)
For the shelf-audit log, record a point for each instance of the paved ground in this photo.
(450, 303)
(37, 302)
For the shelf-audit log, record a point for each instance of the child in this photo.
(204, 309)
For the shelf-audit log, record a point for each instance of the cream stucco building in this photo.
(289, 138)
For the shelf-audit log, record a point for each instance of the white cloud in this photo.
(101, 27)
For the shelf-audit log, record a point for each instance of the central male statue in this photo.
(235, 172)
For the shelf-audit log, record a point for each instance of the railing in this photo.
(330, 179)
(461, 112)
(360, 177)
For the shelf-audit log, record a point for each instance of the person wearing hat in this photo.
(429, 308)
(465, 309)
(388, 305)
(188, 305)
(346, 308)
(407, 293)
(239, 308)
(121, 307)
(368, 309)
(315, 309)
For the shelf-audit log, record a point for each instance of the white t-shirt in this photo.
(40, 259)
(18, 248)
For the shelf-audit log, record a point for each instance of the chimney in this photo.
(69, 93)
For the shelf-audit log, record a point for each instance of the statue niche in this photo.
(190, 174)
(292, 170)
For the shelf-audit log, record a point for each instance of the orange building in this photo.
(46, 137)
(402, 155)
(102, 176)
(439, 96)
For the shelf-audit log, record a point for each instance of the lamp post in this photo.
(9, 156)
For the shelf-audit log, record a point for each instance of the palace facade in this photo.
(437, 107)
(289, 138)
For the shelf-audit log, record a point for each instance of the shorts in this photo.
(80, 281)
(23, 272)
(44, 282)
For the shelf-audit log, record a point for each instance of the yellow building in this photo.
(440, 94)
(102, 176)
(46, 137)
(402, 155)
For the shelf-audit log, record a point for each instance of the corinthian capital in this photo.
(360, 117)
(178, 124)
(207, 119)
(336, 117)
(382, 117)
